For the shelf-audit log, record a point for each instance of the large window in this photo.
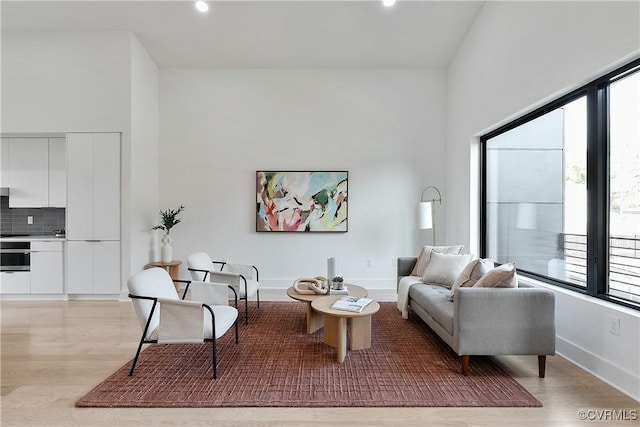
(624, 187)
(561, 190)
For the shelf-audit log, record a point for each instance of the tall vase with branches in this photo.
(169, 219)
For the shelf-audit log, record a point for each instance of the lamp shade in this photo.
(425, 215)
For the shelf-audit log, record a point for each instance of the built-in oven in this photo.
(15, 256)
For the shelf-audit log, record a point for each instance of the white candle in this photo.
(331, 268)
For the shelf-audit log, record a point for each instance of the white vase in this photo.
(166, 251)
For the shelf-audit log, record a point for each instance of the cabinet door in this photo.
(29, 172)
(15, 282)
(79, 186)
(80, 267)
(106, 186)
(46, 272)
(4, 162)
(57, 173)
(106, 267)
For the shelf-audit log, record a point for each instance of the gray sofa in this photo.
(487, 321)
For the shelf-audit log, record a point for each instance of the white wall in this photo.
(140, 167)
(516, 56)
(65, 82)
(217, 127)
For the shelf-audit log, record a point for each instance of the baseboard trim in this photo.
(34, 297)
(617, 377)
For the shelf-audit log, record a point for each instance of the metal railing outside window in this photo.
(624, 264)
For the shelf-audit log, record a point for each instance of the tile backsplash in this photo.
(45, 220)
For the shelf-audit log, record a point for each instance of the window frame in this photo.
(597, 99)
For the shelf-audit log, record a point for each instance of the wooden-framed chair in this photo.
(242, 278)
(166, 319)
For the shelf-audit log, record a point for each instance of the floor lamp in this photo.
(427, 212)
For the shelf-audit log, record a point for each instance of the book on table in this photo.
(353, 304)
(343, 291)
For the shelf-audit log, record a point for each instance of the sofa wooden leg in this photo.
(542, 362)
(465, 364)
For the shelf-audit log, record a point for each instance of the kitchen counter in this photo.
(32, 239)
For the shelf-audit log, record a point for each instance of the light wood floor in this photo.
(54, 352)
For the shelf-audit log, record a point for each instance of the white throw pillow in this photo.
(443, 269)
(425, 256)
(499, 277)
(473, 271)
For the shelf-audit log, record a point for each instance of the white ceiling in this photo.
(267, 34)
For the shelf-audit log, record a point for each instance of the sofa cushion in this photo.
(499, 277)
(472, 272)
(425, 256)
(443, 269)
(434, 299)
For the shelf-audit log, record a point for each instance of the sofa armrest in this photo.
(491, 321)
(405, 266)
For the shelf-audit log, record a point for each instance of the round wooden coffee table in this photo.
(335, 325)
(315, 319)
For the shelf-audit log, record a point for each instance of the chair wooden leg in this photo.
(542, 363)
(465, 364)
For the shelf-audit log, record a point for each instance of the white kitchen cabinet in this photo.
(79, 267)
(93, 184)
(4, 162)
(93, 213)
(106, 186)
(35, 172)
(93, 267)
(28, 172)
(57, 173)
(79, 186)
(15, 282)
(106, 267)
(47, 267)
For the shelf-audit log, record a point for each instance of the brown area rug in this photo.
(277, 364)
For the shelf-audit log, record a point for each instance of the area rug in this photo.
(276, 364)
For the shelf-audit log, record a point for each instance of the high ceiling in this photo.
(267, 34)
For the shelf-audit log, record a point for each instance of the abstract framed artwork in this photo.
(302, 201)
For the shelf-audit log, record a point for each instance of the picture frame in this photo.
(302, 201)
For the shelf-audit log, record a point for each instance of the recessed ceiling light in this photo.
(202, 6)
(388, 3)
